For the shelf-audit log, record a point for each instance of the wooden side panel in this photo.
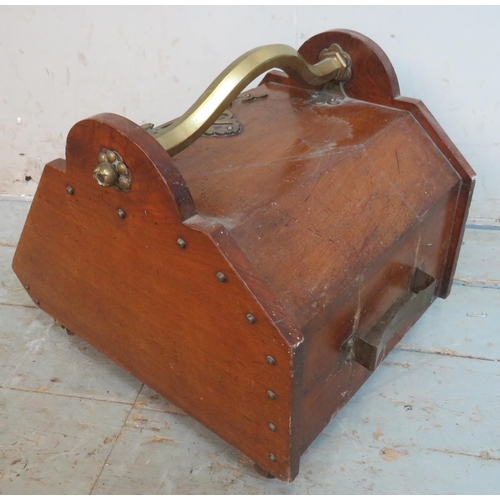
(374, 80)
(128, 288)
(329, 380)
(464, 170)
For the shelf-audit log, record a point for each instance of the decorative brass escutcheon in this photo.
(225, 126)
(112, 171)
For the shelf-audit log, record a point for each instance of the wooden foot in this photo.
(263, 472)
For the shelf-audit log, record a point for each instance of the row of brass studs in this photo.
(220, 276)
(120, 212)
(271, 395)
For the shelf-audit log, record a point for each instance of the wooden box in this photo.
(258, 277)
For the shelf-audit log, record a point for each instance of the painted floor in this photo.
(426, 422)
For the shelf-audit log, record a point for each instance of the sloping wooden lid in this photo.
(313, 193)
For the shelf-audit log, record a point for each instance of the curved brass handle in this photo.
(334, 64)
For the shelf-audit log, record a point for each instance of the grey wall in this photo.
(62, 64)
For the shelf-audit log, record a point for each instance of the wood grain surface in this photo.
(125, 286)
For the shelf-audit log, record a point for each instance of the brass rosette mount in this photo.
(112, 171)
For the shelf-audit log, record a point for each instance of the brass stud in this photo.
(271, 395)
(271, 426)
(26, 287)
(105, 174)
(124, 184)
(221, 277)
(69, 189)
(37, 302)
(270, 360)
(272, 457)
(251, 318)
(110, 156)
(121, 213)
(121, 168)
(101, 157)
(181, 243)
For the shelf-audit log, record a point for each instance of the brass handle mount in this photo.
(334, 65)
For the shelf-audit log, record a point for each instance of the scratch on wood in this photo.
(397, 160)
(357, 316)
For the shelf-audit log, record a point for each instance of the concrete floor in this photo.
(427, 421)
